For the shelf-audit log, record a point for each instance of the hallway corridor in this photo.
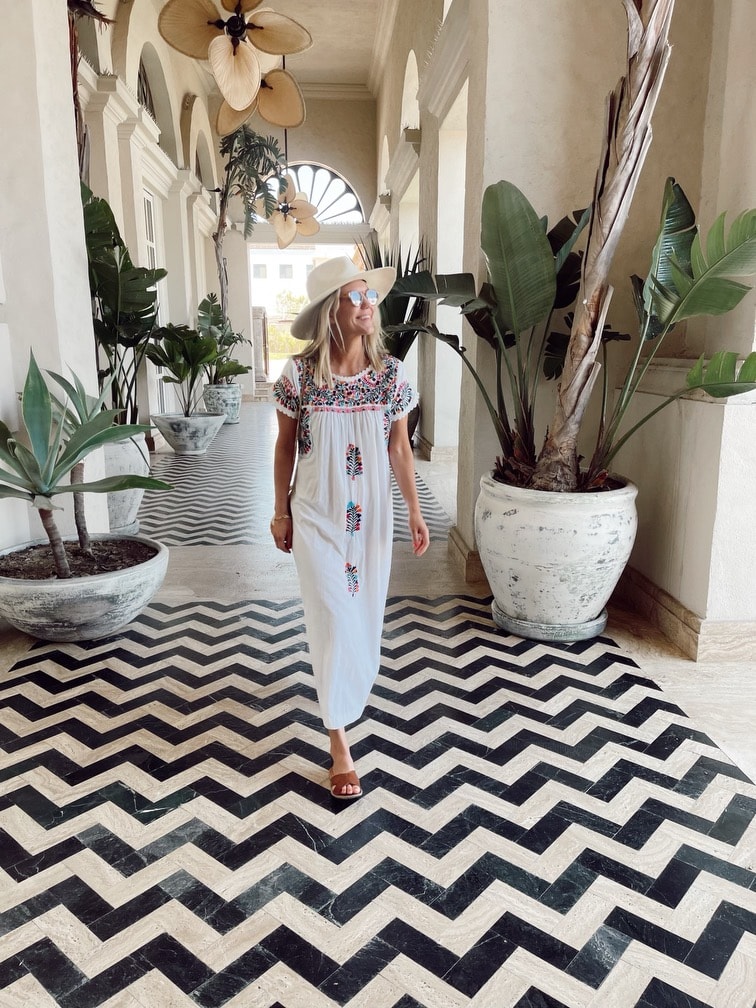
(543, 825)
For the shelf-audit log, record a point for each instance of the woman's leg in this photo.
(342, 759)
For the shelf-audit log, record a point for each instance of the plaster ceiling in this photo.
(346, 41)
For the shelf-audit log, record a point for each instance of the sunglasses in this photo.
(356, 297)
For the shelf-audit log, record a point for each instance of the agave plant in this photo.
(57, 444)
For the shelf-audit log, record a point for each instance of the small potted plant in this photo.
(60, 590)
(221, 394)
(183, 354)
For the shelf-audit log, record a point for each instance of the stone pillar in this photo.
(45, 303)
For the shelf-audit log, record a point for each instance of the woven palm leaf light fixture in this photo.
(293, 215)
(243, 49)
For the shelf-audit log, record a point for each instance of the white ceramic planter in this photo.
(224, 399)
(553, 559)
(82, 608)
(122, 458)
(190, 435)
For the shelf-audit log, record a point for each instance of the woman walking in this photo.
(342, 408)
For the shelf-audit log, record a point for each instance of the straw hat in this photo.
(327, 278)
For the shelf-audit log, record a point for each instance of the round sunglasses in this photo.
(356, 297)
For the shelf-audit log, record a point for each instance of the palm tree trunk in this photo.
(626, 141)
(56, 543)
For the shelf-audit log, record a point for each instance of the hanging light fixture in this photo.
(236, 48)
(279, 102)
(293, 215)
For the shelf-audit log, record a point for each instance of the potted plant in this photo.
(221, 394)
(95, 586)
(548, 580)
(124, 314)
(184, 354)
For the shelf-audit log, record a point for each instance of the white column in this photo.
(42, 250)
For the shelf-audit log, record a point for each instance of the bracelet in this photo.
(278, 518)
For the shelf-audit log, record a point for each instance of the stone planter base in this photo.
(224, 399)
(553, 559)
(190, 435)
(82, 608)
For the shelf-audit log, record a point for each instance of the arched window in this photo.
(144, 95)
(335, 199)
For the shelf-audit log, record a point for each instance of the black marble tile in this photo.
(355, 974)
(47, 964)
(101, 988)
(673, 883)
(421, 949)
(228, 983)
(477, 966)
(176, 963)
(649, 934)
(310, 963)
(521, 932)
(659, 994)
(566, 891)
(598, 957)
(533, 998)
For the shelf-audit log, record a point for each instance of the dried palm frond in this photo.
(627, 138)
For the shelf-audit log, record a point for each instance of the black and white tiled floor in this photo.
(542, 827)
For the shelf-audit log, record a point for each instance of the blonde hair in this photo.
(318, 350)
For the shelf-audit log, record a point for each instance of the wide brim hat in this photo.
(329, 277)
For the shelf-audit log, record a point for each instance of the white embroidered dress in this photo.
(342, 514)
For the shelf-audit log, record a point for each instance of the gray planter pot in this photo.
(224, 399)
(82, 608)
(121, 458)
(190, 435)
(553, 559)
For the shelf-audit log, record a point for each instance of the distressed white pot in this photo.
(224, 399)
(121, 458)
(190, 435)
(82, 608)
(553, 559)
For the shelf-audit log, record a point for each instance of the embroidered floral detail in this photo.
(353, 518)
(386, 390)
(285, 394)
(353, 584)
(353, 461)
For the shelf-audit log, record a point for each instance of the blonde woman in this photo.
(342, 408)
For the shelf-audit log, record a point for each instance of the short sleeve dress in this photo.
(342, 513)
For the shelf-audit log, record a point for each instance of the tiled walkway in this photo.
(543, 826)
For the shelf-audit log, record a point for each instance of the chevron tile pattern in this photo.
(541, 827)
(225, 497)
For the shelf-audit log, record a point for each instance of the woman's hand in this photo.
(420, 534)
(281, 530)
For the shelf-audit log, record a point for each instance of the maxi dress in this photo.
(342, 514)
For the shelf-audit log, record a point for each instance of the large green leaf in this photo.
(705, 285)
(677, 232)
(36, 409)
(111, 483)
(520, 261)
(721, 378)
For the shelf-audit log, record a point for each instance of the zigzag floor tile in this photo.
(225, 497)
(541, 828)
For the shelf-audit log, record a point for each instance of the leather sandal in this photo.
(341, 780)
